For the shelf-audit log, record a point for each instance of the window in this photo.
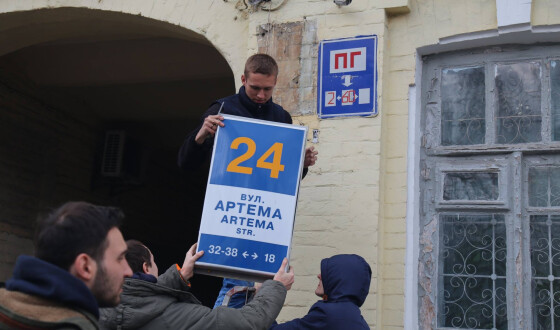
(490, 181)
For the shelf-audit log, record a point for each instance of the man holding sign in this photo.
(254, 100)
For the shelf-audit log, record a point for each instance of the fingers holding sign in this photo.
(187, 271)
(310, 157)
(286, 278)
(209, 127)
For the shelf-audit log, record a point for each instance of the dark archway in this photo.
(69, 76)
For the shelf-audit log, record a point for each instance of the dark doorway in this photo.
(100, 72)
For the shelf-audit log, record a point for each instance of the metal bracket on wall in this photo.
(315, 136)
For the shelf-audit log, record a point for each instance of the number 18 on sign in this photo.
(250, 203)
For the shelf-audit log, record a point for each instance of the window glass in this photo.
(518, 93)
(545, 268)
(463, 106)
(473, 277)
(489, 165)
(470, 186)
(544, 187)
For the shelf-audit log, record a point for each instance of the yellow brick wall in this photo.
(545, 12)
(338, 208)
(427, 22)
(354, 199)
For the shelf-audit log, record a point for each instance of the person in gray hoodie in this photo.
(164, 302)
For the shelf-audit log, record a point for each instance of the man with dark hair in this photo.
(254, 100)
(79, 265)
(164, 302)
(140, 258)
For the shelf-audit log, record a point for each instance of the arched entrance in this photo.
(68, 77)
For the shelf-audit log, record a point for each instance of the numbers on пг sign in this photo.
(275, 151)
(269, 258)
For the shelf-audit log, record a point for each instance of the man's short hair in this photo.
(137, 254)
(261, 63)
(75, 228)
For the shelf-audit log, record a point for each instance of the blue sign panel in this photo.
(347, 77)
(250, 202)
(237, 144)
(242, 253)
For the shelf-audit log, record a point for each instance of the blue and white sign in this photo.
(250, 203)
(347, 77)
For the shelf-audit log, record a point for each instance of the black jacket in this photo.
(192, 155)
(346, 279)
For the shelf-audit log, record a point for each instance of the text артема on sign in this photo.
(249, 208)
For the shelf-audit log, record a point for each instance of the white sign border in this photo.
(243, 273)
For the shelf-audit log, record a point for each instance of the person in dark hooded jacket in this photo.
(344, 285)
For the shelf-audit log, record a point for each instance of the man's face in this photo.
(320, 291)
(258, 86)
(111, 271)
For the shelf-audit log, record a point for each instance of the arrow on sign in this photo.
(255, 255)
(245, 254)
(347, 80)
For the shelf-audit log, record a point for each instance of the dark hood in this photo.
(346, 277)
(40, 278)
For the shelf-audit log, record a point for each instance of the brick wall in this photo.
(46, 157)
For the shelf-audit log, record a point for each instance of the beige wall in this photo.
(545, 12)
(354, 199)
(338, 210)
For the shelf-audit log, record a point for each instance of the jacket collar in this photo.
(40, 278)
(254, 108)
(144, 277)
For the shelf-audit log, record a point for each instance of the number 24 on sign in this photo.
(275, 151)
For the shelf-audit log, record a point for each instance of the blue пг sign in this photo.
(249, 208)
(347, 77)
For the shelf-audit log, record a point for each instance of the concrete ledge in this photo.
(395, 7)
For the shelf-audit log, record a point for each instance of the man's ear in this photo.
(243, 79)
(146, 268)
(84, 268)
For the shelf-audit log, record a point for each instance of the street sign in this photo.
(249, 208)
(347, 84)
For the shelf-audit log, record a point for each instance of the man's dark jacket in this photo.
(41, 295)
(192, 155)
(346, 279)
